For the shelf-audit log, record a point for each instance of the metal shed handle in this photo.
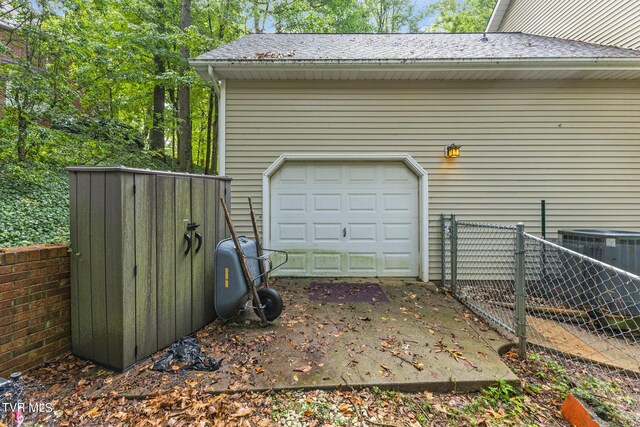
(187, 237)
(199, 239)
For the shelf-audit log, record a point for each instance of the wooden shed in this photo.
(142, 267)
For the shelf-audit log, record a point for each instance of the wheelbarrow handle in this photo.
(271, 267)
(286, 257)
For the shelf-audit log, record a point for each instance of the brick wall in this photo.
(34, 306)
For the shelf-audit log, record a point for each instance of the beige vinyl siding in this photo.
(574, 143)
(605, 22)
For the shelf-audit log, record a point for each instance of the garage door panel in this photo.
(398, 202)
(362, 174)
(361, 202)
(327, 202)
(291, 232)
(398, 175)
(293, 174)
(360, 218)
(397, 262)
(362, 263)
(327, 263)
(296, 202)
(360, 232)
(399, 232)
(297, 264)
(325, 174)
(327, 232)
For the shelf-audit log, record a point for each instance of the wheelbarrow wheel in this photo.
(271, 303)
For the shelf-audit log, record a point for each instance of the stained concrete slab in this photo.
(422, 339)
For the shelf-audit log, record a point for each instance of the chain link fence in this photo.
(544, 295)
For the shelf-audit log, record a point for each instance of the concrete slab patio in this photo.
(420, 339)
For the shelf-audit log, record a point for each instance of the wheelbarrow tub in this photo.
(231, 291)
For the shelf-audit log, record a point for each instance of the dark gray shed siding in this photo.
(134, 291)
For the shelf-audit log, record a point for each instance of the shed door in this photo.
(346, 218)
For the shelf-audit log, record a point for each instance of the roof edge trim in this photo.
(499, 10)
(588, 63)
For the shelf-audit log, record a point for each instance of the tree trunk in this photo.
(110, 103)
(174, 127)
(156, 140)
(185, 156)
(209, 160)
(23, 128)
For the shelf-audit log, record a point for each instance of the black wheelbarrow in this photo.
(242, 272)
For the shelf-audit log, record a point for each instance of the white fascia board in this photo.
(215, 80)
(499, 11)
(229, 68)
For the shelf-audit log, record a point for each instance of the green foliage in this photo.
(93, 67)
(605, 396)
(453, 16)
(34, 195)
(392, 16)
(317, 409)
(502, 392)
(322, 16)
(35, 205)
(502, 401)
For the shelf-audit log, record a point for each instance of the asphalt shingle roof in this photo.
(412, 47)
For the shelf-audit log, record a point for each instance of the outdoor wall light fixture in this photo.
(452, 150)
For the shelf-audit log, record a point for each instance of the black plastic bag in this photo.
(186, 355)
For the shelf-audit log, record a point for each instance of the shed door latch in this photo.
(187, 236)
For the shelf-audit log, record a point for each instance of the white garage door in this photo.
(346, 218)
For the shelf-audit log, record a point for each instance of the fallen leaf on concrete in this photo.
(457, 355)
(305, 369)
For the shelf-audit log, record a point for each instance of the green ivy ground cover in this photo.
(34, 195)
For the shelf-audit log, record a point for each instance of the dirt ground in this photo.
(294, 368)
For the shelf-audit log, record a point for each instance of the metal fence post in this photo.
(454, 255)
(520, 294)
(443, 251)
